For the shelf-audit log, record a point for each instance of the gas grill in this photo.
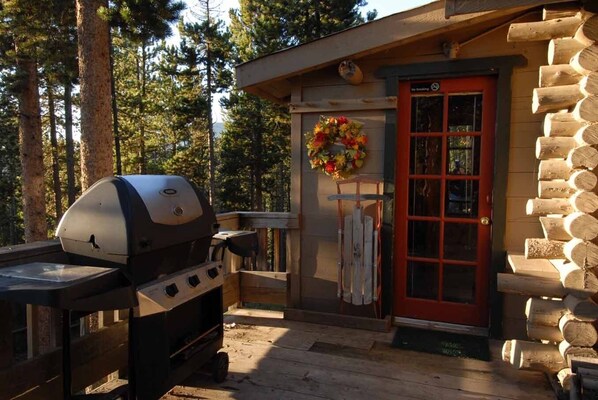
(156, 232)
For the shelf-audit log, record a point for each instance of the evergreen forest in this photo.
(167, 60)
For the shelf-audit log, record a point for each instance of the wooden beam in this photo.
(336, 105)
(345, 321)
(275, 220)
(530, 285)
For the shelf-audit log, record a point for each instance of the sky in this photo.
(384, 8)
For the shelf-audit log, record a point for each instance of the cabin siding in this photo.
(319, 216)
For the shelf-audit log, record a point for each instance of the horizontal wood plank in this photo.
(93, 357)
(340, 320)
(330, 105)
(263, 287)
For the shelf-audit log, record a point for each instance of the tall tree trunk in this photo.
(258, 153)
(34, 197)
(119, 166)
(70, 148)
(212, 155)
(31, 150)
(94, 71)
(142, 158)
(54, 144)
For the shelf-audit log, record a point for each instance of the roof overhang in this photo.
(460, 7)
(269, 76)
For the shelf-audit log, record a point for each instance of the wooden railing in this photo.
(35, 373)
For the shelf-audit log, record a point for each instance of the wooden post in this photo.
(548, 206)
(567, 350)
(587, 33)
(543, 30)
(586, 61)
(544, 332)
(586, 202)
(560, 50)
(565, 376)
(583, 180)
(582, 253)
(536, 356)
(544, 311)
(555, 98)
(578, 332)
(529, 285)
(276, 249)
(6, 342)
(583, 309)
(557, 11)
(558, 188)
(580, 225)
(554, 228)
(553, 169)
(561, 124)
(558, 75)
(544, 248)
(573, 277)
(587, 135)
(583, 157)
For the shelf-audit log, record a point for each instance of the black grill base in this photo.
(169, 347)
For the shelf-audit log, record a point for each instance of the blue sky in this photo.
(384, 8)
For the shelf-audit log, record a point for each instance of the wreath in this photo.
(327, 133)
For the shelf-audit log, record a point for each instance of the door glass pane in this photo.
(426, 113)
(460, 241)
(426, 156)
(458, 283)
(422, 280)
(465, 113)
(424, 197)
(461, 200)
(463, 156)
(423, 239)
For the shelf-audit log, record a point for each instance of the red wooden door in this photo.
(444, 194)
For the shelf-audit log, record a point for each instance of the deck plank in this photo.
(271, 358)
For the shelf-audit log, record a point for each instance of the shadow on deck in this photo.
(273, 358)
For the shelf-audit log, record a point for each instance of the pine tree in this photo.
(94, 72)
(22, 31)
(142, 22)
(255, 143)
(211, 42)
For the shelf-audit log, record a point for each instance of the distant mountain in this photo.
(218, 128)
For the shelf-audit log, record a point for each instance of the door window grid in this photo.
(457, 184)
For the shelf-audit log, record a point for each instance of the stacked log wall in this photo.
(558, 271)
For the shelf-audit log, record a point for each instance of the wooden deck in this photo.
(272, 358)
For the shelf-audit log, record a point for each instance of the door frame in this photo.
(502, 67)
(435, 310)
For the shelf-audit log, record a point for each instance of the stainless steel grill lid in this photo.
(159, 219)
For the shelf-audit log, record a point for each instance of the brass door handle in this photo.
(485, 221)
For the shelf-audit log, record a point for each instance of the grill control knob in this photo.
(213, 272)
(193, 280)
(171, 290)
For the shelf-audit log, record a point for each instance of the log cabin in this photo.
(480, 118)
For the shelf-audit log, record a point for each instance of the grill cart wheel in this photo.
(220, 367)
